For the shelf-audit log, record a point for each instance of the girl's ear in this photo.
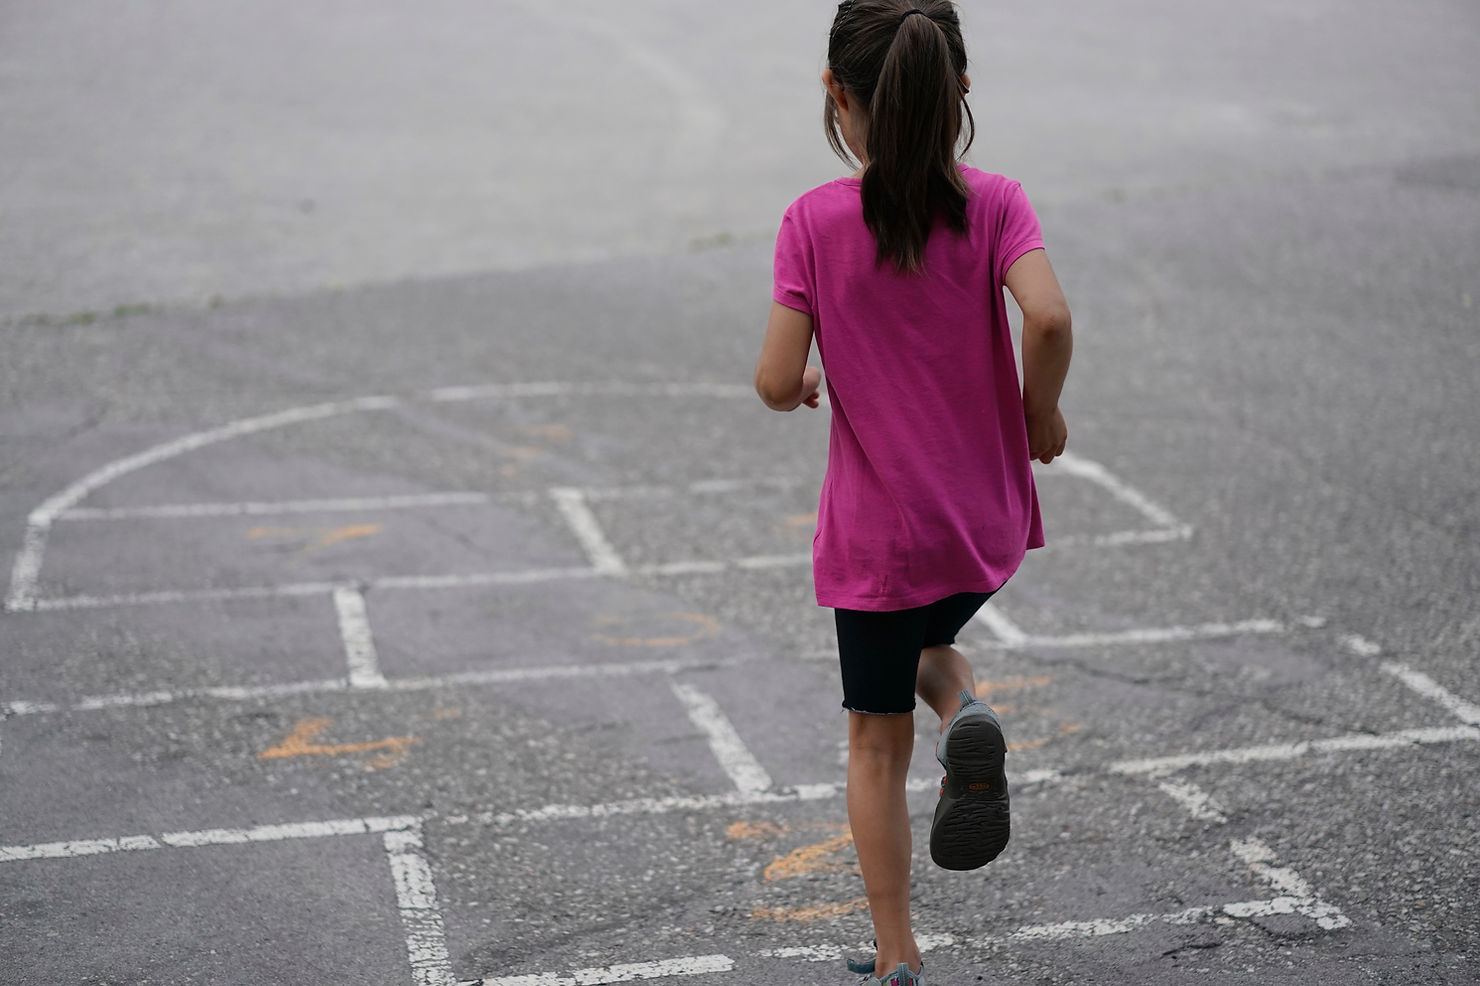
(835, 89)
(965, 82)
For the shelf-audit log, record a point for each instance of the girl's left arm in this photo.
(782, 377)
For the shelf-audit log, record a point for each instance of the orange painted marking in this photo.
(554, 434)
(299, 743)
(799, 525)
(817, 858)
(707, 626)
(817, 912)
(739, 831)
(317, 537)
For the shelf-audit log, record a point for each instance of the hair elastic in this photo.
(912, 10)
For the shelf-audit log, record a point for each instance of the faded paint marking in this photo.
(738, 831)
(298, 743)
(1067, 729)
(705, 626)
(820, 857)
(317, 537)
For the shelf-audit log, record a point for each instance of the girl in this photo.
(928, 504)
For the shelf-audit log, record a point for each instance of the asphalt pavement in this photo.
(402, 584)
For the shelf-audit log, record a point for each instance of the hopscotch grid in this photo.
(402, 835)
(422, 920)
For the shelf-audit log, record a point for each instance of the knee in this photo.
(879, 738)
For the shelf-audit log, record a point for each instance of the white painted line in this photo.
(359, 642)
(1102, 927)
(1360, 646)
(1008, 633)
(698, 487)
(228, 693)
(685, 568)
(187, 511)
(1018, 780)
(550, 672)
(292, 589)
(478, 580)
(705, 802)
(472, 580)
(507, 391)
(697, 965)
(772, 561)
(208, 837)
(1148, 635)
(246, 693)
(1199, 803)
(1096, 473)
(587, 529)
(78, 847)
(173, 596)
(294, 830)
(1290, 885)
(1466, 712)
(748, 776)
(1118, 539)
(421, 917)
(1062, 931)
(1294, 751)
(648, 806)
(20, 707)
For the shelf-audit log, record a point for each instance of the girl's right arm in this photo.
(1048, 343)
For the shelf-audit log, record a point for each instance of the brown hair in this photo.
(905, 72)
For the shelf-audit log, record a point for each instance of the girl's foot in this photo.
(972, 820)
(899, 977)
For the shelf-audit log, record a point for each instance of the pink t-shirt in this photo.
(929, 490)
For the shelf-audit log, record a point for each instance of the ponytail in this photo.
(907, 70)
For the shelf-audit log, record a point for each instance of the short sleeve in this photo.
(1020, 232)
(793, 272)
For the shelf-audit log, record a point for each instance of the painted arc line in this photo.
(208, 837)
(247, 693)
(1294, 751)
(416, 900)
(185, 511)
(587, 529)
(359, 642)
(734, 757)
(1466, 712)
(26, 570)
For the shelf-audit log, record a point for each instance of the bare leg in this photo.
(878, 760)
(944, 671)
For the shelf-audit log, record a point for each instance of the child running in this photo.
(928, 505)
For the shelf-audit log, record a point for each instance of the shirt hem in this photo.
(922, 597)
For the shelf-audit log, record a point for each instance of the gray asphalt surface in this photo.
(523, 682)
